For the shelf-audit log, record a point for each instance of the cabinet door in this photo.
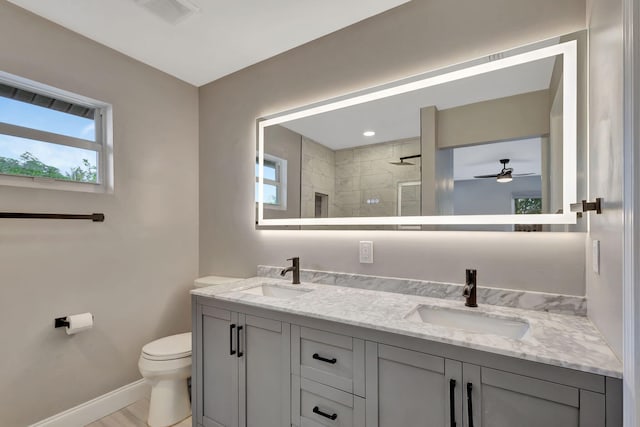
(217, 366)
(503, 399)
(409, 388)
(264, 372)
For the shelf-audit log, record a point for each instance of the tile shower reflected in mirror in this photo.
(487, 144)
(359, 181)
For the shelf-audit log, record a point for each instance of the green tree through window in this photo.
(528, 205)
(30, 165)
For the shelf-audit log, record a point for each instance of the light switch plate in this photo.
(366, 252)
(595, 256)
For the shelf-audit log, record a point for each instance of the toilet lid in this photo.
(167, 348)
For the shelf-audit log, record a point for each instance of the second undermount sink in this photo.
(275, 291)
(509, 327)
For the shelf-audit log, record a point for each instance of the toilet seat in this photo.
(168, 348)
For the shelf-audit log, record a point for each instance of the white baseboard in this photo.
(97, 408)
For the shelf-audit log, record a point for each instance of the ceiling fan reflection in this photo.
(505, 175)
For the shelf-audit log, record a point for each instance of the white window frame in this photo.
(102, 146)
(280, 183)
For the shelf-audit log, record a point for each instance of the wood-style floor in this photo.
(134, 415)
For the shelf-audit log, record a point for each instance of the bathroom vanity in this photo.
(270, 354)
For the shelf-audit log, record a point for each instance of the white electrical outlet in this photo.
(366, 252)
(595, 256)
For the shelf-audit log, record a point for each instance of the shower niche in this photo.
(491, 144)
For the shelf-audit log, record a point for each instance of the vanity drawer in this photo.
(318, 405)
(330, 359)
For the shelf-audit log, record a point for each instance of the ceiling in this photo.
(398, 117)
(525, 156)
(222, 37)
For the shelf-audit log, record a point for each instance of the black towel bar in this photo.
(95, 217)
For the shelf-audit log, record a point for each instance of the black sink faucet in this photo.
(295, 268)
(470, 287)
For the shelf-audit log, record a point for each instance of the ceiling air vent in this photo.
(171, 11)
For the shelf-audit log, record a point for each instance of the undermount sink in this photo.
(509, 327)
(275, 291)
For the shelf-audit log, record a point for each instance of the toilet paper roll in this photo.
(79, 323)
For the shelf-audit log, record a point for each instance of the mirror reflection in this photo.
(486, 144)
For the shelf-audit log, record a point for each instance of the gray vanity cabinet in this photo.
(243, 362)
(265, 388)
(328, 379)
(268, 369)
(504, 399)
(216, 403)
(409, 388)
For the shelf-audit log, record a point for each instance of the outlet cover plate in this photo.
(366, 252)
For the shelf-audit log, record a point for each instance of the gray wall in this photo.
(419, 36)
(134, 271)
(487, 197)
(510, 118)
(604, 290)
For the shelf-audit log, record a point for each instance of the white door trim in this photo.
(631, 293)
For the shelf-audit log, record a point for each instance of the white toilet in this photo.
(166, 364)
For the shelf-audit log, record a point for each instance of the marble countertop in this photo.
(556, 339)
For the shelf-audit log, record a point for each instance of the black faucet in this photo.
(469, 291)
(295, 268)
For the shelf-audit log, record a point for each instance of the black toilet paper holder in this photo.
(61, 322)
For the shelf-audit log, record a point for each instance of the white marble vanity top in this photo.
(556, 339)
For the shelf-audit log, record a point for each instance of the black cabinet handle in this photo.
(332, 417)
(240, 353)
(470, 403)
(452, 402)
(231, 350)
(322, 359)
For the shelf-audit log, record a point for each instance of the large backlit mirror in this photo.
(491, 144)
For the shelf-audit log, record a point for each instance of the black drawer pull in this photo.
(317, 410)
(452, 402)
(470, 403)
(322, 359)
(240, 353)
(231, 350)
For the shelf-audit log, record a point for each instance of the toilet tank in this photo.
(207, 281)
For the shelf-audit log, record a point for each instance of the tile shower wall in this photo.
(360, 181)
(317, 176)
(367, 183)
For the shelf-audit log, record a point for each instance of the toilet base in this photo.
(169, 403)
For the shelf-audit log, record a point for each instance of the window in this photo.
(275, 182)
(527, 205)
(50, 138)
